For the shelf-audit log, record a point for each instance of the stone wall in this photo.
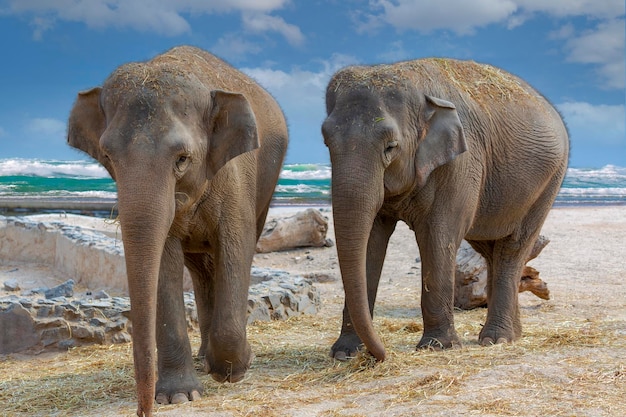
(61, 318)
(89, 257)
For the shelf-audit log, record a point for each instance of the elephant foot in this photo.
(346, 347)
(229, 371)
(493, 335)
(177, 391)
(439, 341)
(178, 398)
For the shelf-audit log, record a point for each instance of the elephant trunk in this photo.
(146, 215)
(357, 197)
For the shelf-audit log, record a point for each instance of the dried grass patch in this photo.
(292, 371)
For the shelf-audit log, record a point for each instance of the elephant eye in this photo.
(182, 162)
(391, 146)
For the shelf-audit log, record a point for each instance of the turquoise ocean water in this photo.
(299, 184)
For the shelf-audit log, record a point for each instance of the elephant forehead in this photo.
(153, 76)
(149, 88)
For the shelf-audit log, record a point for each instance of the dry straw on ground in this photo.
(292, 371)
(569, 361)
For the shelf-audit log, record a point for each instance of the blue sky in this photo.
(570, 50)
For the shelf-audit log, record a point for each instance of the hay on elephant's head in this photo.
(479, 81)
(176, 67)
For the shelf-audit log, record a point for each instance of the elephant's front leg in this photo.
(349, 342)
(228, 355)
(438, 262)
(177, 377)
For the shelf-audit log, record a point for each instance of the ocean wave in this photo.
(298, 182)
(591, 191)
(51, 169)
(302, 189)
(306, 172)
(609, 174)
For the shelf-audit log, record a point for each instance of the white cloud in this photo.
(298, 89)
(2, 132)
(395, 52)
(297, 80)
(603, 46)
(599, 9)
(602, 123)
(463, 17)
(301, 94)
(47, 127)
(259, 22)
(160, 16)
(565, 32)
(460, 16)
(233, 47)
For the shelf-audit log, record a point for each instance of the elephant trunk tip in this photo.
(378, 352)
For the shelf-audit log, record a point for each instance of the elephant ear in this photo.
(444, 139)
(86, 125)
(232, 129)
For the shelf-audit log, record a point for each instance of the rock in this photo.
(92, 258)
(63, 290)
(101, 295)
(322, 276)
(303, 229)
(64, 322)
(56, 318)
(11, 285)
(17, 329)
(121, 337)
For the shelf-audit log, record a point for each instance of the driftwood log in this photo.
(471, 277)
(304, 229)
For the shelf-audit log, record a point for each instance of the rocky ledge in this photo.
(44, 318)
(57, 318)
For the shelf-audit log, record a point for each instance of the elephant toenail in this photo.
(487, 341)
(179, 398)
(162, 399)
(341, 356)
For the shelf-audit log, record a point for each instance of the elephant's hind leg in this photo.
(506, 259)
(177, 381)
(505, 262)
(202, 270)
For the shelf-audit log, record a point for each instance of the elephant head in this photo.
(384, 141)
(162, 135)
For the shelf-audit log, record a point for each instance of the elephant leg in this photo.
(229, 355)
(505, 265)
(438, 256)
(348, 343)
(506, 261)
(202, 270)
(260, 222)
(177, 377)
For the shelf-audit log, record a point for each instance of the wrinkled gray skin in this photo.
(456, 150)
(195, 148)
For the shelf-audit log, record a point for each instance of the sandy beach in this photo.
(570, 360)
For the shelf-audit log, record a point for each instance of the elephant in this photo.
(195, 148)
(456, 150)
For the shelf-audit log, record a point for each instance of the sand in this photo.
(570, 360)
